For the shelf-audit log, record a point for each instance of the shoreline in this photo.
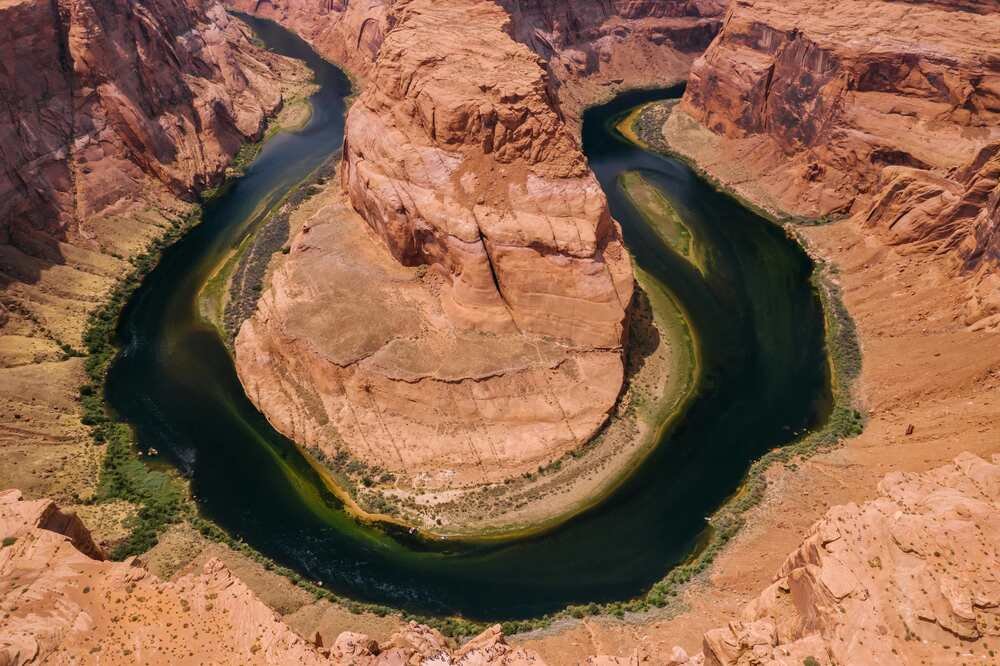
(615, 485)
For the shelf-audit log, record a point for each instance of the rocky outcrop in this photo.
(115, 115)
(347, 32)
(910, 577)
(482, 336)
(888, 111)
(63, 603)
(107, 101)
(595, 49)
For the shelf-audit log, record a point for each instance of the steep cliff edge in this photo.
(347, 32)
(116, 114)
(909, 577)
(885, 111)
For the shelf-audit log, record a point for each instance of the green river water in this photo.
(757, 320)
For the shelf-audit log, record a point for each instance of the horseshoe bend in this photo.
(344, 317)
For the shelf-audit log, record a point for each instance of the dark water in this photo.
(759, 326)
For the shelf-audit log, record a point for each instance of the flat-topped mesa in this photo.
(885, 110)
(460, 318)
(456, 157)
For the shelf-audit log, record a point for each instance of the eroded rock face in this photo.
(595, 49)
(348, 32)
(908, 577)
(482, 335)
(64, 606)
(465, 165)
(116, 114)
(887, 110)
(63, 603)
(111, 99)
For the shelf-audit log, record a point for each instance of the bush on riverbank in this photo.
(123, 475)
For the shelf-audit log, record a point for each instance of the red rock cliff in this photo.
(595, 49)
(887, 110)
(114, 114)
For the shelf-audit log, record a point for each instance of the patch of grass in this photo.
(8, 541)
(123, 475)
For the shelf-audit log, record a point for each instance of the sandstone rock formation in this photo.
(909, 577)
(346, 32)
(63, 603)
(116, 115)
(503, 351)
(888, 111)
(595, 49)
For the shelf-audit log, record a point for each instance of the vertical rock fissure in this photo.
(496, 279)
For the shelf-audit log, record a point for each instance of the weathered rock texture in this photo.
(460, 158)
(508, 352)
(64, 604)
(347, 32)
(116, 113)
(887, 110)
(909, 577)
(595, 49)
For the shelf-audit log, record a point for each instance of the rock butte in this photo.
(503, 352)
(892, 581)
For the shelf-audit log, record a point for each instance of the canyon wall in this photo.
(116, 114)
(347, 32)
(886, 111)
(594, 50)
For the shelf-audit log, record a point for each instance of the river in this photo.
(759, 326)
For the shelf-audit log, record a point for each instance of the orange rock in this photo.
(887, 110)
(909, 577)
(508, 352)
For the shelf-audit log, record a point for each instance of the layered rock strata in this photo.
(481, 336)
(909, 577)
(349, 33)
(116, 115)
(593, 50)
(886, 111)
(63, 603)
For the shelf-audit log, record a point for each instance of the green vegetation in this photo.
(8, 541)
(810, 661)
(123, 475)
(659, 212)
